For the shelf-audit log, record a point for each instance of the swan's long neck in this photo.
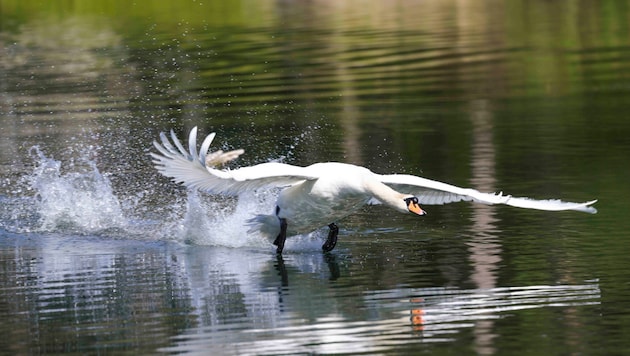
(386, 195)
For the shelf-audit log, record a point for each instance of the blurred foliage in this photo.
(140, 13)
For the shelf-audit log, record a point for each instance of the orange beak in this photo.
(415, 208)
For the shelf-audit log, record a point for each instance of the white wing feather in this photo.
(432, 192)
(189, 168)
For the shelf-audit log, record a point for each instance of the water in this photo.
(99, 254)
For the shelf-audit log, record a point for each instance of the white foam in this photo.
(82, 201)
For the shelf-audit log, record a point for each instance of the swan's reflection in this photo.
(442, 310)
(329, 259)
(289, 303)
(282, 270)
(218, 300)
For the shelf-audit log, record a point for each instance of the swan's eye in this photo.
(413, 200)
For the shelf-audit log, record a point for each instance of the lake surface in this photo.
(101, 255)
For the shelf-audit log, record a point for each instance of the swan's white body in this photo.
(322, 193)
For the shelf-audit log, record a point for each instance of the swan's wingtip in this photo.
(585, 207)
(590, 209)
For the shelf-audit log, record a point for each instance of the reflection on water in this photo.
(63, 291)
(485, 249)
(100, 254)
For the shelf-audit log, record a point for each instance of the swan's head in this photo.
(413, 207)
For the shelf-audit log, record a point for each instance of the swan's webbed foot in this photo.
(282, 236)
(331, 241)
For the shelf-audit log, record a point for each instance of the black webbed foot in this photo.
(331, 241)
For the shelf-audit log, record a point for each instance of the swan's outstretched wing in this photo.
(432, 192)
(190, 169)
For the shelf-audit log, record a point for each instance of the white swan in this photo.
(319, 194)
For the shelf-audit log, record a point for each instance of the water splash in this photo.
(226, 225)
(79, 199)
(81, 202)
(48, 200)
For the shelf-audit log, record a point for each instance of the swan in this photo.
(320, 194)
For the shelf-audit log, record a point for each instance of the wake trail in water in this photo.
(80, 200)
